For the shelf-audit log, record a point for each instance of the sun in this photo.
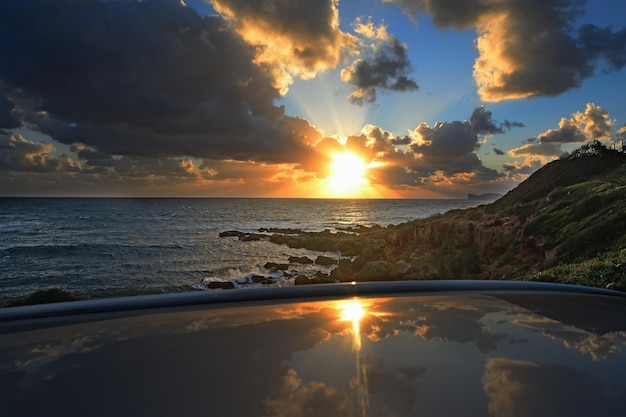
(348, 174)
(352, 310)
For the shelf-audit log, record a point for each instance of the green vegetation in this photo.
(607, 270)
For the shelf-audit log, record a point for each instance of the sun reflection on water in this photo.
(353, 311)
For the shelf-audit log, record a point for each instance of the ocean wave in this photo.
(12, 225)
(91, 246)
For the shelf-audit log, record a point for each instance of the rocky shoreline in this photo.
(351, 244)
(567, 213)
(274, 272)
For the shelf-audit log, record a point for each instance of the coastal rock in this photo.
(325, 261)
(276, 266)
(300, 260)
(301, 280)
(283, 231)
(231, 233)
(214, 285)
(258, 279)
(245, 237)
(321, 278)
(253, 237)
(344, 271)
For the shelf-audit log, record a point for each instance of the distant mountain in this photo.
(565, 223)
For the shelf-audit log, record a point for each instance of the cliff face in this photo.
(571, 211)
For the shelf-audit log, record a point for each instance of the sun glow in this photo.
(352, 311)
(348, 174)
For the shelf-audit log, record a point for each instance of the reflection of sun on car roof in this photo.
(340, 350)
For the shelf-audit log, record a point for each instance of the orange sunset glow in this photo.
(348, 173)
(282, 99)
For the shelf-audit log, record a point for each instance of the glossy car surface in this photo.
(390, 349)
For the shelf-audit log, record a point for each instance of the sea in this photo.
(103, 247)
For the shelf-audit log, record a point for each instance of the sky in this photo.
(302, 98)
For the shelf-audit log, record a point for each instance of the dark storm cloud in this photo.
(443, 153)
(92, 156)
(445, 139)
(385, 70)
(147, 78)
(451, 146)
(7, 120)
(527, 48)
(482, 122)
(568, 132)
(21, 158)
(603, 42)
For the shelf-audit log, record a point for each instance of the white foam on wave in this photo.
(261, 278)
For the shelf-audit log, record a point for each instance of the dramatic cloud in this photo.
(142, 79)
(597, 125)
(149, 94)
(313, 399)
(294, 37)
(527, 49)
(593, 124)
(7, 120)
(598, 345)
(385, 69)
(541, 149)
(482, 124)
(603, 42)
(442, 156)
(21, 155)
(450, 148)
